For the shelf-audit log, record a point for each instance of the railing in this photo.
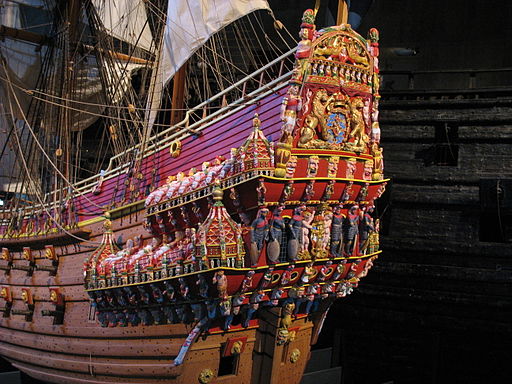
(265, 81)
(459, 79)
(183, 129)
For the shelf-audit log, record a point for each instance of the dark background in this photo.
(436, 307)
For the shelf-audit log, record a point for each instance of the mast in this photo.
(178, 95)
(342, 16)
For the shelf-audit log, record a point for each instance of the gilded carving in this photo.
(5, 254)
(313, 164)
(295, 356)
(175, 148)
(206, 376)
(332, 168)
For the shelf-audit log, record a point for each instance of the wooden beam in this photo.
(178, 93)
(31, 37)
(342, 17)
(119, 55)
(19, 34)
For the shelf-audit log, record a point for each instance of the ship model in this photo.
(214, 254)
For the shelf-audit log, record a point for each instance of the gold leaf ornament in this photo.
(206, 376)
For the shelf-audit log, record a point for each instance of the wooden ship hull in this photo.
(224, 274)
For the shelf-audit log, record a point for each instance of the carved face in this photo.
(311, 121)
(26, 254)
(290, 166)
(5, 254)
(351, 167)
(313, 166)
(54, 297)
(333, 166)
(304, 34)
(3, 293)
(49, 253)
(263, 212)
(237, 347)
(24, 296)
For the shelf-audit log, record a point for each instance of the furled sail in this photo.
(126, 20)
(190, 23)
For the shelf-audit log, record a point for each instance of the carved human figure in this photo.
(357, 123)
(329, 190)
(368, 170)
(222, 284)
(326, 239)
(317, 235)
(308, 274)
(336, 247)
(373, 240)
(290, 107)
(304, 237)
(309, 191)
(366, 226)
(306, 35)
(287, 274)
(187, 245)
(186, 184)
(351, 229)
(175, 185)
(311, 294)
(351, 168)
(363, 192)
(324, 271)
(254, 301)
(202, 286)
(247, 282)
(307, 133)
(277, 228)
(214, 170)
(290, 167)
(259, 230)
(376, 132)
(295, 226)
(347, 192)
(378, 162)
(313, 163)
(332, 168)
(228, 166)
(199, 177)
(338, 272)
(266, 279)
(288, 310)
(276, 294)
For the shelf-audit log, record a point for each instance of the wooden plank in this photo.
(147, 346)
(92, 330)
(61, 377)
(132, 368)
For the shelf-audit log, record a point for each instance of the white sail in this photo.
(127, 20)
(190, 23)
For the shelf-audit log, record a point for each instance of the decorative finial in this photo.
(308, 18)
(256, 122)
(107, 224)
(217, 193)
(373, 35)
